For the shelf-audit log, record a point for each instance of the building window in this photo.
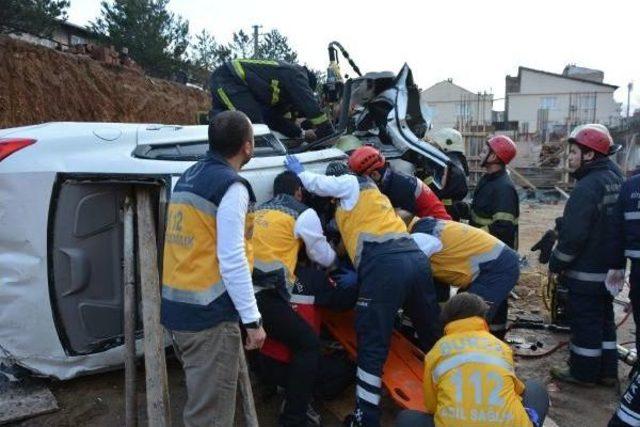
(463, 110)
(587, 102)
(548, 103)
(77, 40)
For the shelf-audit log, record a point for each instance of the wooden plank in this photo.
(158, 408)
(130, 399)
(562, 192)
(25, 399)
(522, 178)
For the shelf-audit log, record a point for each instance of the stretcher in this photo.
(402, 373)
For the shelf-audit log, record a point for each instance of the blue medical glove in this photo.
(345, 278)
(533, 416)
(292, 164)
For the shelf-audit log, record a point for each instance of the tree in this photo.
(156, 38)
(37, 17)
(241, 45)
(275, 45)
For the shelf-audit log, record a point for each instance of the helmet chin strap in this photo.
(485, 162)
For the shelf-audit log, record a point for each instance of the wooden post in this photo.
(131, 402)
(158, 409)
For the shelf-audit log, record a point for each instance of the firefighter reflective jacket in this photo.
(625, 226)
(193, 293)
(583, 237)
(278, 84)
(495, 207)
(469, 379)
(372, 219)
(275, 245)
(464, 248)
(409, 193)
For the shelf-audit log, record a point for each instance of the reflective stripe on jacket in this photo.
(372, 219)
(469, 379)
(464, 249)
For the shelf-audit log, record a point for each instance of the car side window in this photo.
(265, 145)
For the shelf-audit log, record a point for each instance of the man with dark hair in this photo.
(267, 91)
(282, 226)
(207, 285)
(469, 376)
(392, 273)
(581, 259)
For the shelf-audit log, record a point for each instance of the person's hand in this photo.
(309, 135)
(614, 282)
(324, 130)
(545, 246)
(255, 338)
(345, 277)
(292, 164)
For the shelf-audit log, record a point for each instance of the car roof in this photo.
(147, 133)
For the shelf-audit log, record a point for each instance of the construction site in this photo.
(101, 358)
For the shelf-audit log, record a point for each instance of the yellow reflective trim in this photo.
(447, 202)
(225, 99)
(318, 120)
(504, 216)
(480, 220)
(428, 180)
(258, 61)
(237, 66)
(275, 91)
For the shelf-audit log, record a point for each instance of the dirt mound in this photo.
(38, 85)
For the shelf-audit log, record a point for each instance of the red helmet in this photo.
(365, 160)
(503, 147)
(594, 138)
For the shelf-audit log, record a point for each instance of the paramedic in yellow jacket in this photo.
(206, 279)
(392, 273)
(472, 260)
(282, 226)
(469, 376)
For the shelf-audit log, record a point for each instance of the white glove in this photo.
(614, 282)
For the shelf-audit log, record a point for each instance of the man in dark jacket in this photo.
(495, 206)
(270, 92)
(579, 260)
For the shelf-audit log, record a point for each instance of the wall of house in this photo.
(565, 101)
(453, 106)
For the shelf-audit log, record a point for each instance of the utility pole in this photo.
(629, 89)
(255, 39)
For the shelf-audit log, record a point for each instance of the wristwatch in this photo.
(254, 325)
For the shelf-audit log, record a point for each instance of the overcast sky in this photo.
(474, 42)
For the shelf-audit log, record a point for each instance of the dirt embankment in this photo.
(38, 85)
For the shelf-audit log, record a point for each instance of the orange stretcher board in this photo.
(403, 370)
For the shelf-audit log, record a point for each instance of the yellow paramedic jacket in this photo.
(372, 219)
(469, 379)
(275, 245)
(464, 248)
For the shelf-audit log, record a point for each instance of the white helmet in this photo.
(597, 126)
(448, 139)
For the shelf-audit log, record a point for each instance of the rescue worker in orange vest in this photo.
(282, 225)
(472, 260)
(404, 191)
(392, 273)
(469, 377)
(495, 206)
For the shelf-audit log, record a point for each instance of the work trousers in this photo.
(282, 323)
(214, 363)
(229, 93)
(387, 282)
(634, 296)
(592, 352)
(494, 282)
(535, 397)
(628, 412)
